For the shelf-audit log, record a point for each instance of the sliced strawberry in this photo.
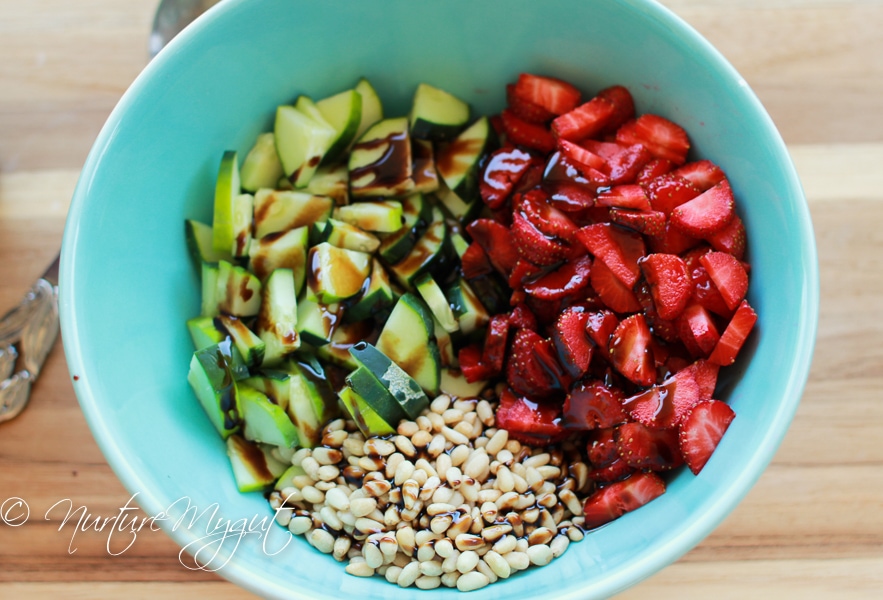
(729, 276)
(697, 330)
(672, 241)
(629, 350)
(653, 169)
(663, 406)
(494, 352)
(581, 156)
(561, 169)
(734, 336)
(592, 405)
(554, 95)
(526, 109)
(707, 213)
(525, 419)
(701, 173)
(521, 317)
(567, 281)
(645, 448)
(523, 272)
(532, 369)
(613, 293)
(702, 430)
(471, 366)
(650, 222)
(502, 171)
(535, 207)
(661, 328)
(617, 470)
(662, 137)
(572, 342)
(525, 133)
(532, 245)
(731, 238)
(600, 326)
(623, 161)
(623, 105)
(586, 120)
(629, 195)
(616, 499)
(570, 198)
(601, 447)
(617, 248)
(705, 373)
(475, 262)
(669, 281)
(668, 191)
(496, 240)
(704, 290)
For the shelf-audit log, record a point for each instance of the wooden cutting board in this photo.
(810, 528)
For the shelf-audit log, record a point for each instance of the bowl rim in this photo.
(647, 564)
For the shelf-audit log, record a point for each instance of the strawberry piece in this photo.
(663, 138)
(645, 448)
(503, 170)
(731, 238)
(582, 157)
(526, 109)
(567, 281)
(702, 173)
(623, 162)
(615, 471)
(654, 168)
(554, 95)
(704, 290)
(494, 353)
(623, 105)
(532, 245)
(702, 430)
(532, 369)
(521, 317)
(668, 191)
(535, 207)
(707, 213)
(619, 249)
(662, 328)
(629, 350)
(522, 417)
(663, 406)
(697, 330)
(601, 447)
(624, 196)
(525, 133)
(561, 169)
(586, 120)
(522, 272)
(600, 326)
(670, 284)
(728, 275)
(705, 373)
(570, 198)
(572, 342)
(593, 405)
(734, 336)
(475, 262)
(649, 223)
(672, 241)
(613, 293)
(497, 242)
(616, 499)
(471, 366)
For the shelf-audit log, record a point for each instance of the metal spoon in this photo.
(28, 331)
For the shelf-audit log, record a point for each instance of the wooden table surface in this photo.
(812, 527)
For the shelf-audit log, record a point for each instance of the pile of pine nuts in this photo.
(449, 500)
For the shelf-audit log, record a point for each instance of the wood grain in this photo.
(810, 528)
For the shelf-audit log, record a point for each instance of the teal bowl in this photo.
(127, 285)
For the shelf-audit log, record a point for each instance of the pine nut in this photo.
(472, 581)
(433, 568)
(497, 564)
(321, 540)
(518, 561)
(368, 526)
(468, 541)
(455, 437)
(428, 582)
(485, 412)
(421, 439)
(467, 561)
(483, 568)
(362, 507)
(403, 472)
(359, 569)
(392, 573)
(450, 579)
(436, 420)
(459, 454)
(341, 547)
(373, 555)
(379, 447)
(559, 545)
(409, 574)
(440, 404)
(540, 555)
(405, 446)
(540, 535)
(436, 446)
(444, 547)
(425, 551)
(327, 456)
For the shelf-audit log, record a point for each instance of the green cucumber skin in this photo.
(402, 387)
(415, 350)
(437, 114)
(214, 384)
(374, 392)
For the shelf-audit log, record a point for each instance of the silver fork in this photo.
(27, 334)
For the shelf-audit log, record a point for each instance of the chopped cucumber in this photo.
(344, 235)
(227, 188)
(277, 319)
(377, 297)
(367, 385)
(380, 163)
(436, 114)
(272, 383)
(364, 415)
(336, 274)
(254, 468)
(302, 411)
(209, 289)
(458, 165)
(469, 310)
(423, 168)
(264, 420)
(212, 380)
(332, 181)
(250, 346)
(317, 322)
(383, 216)
(342, 111)
(282, 250)
(238, 291)
(429, 254)
(286, 480)
(407, 338)
(372, 109)
(282, 210)
(261, 167)
(199, 243)
(345, 336)
(404, 388)
(204, 332)
(243, 215)
(445, 343)
(455, 385)
(301, 142)
(322, 396)
(435, 299)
